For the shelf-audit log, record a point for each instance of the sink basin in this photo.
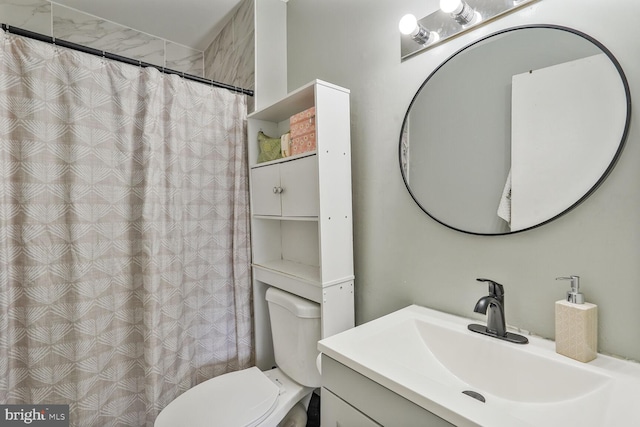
(432, 359)
(503, 369)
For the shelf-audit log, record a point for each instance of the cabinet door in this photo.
(299, 182)
(266, 198)
(335, 412)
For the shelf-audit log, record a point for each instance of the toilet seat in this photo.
(237, 399)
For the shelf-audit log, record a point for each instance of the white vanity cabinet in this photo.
(301, 220)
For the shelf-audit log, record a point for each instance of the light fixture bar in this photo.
(455, 17)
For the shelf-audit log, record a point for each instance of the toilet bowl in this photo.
(250, 397)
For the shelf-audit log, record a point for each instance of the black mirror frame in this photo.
(606, 173)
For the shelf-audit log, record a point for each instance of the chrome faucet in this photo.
(493, 306)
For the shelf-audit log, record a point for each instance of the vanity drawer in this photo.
(371, 399)
(338, 413)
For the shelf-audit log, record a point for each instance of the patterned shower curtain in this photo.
(124, 245)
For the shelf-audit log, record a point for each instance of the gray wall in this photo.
(402, 256)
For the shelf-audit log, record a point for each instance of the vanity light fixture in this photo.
(417, 35)
(409, 26)
(460, 11)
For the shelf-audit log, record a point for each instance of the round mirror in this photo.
(514, 130)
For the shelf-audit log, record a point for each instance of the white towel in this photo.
(285, 144)
(504, 208)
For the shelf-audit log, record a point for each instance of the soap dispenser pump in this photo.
(576, 324)
(574, 294)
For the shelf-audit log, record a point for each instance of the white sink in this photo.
(431, 358)
(503, 369)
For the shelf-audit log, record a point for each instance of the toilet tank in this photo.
(295, 328)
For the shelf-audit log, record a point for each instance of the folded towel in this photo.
(285, 144)
(504, 208)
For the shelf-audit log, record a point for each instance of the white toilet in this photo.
(251, 397)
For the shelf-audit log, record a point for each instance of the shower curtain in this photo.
(124, 236)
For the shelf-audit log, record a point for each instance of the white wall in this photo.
(402, 256)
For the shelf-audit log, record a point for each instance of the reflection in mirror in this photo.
(514, 130)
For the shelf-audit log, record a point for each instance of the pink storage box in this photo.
(303, 131)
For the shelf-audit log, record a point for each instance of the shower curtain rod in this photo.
(58, 42)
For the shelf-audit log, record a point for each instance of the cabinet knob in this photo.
(277, 190)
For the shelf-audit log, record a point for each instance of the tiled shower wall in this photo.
(229, 59)
(231, 56)
(51, 19)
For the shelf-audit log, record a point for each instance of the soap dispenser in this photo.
(576, 324)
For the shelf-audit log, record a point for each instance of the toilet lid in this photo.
(237, 399)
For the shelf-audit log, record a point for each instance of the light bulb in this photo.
(408, 24)
(461, 12)
(450, 6)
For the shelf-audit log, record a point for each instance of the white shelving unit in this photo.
(301, 223)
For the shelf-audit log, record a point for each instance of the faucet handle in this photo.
(495, 289)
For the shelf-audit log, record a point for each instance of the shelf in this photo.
(306, 273)
(299, 279)
(287, 218)
(293, 247)
(295, 102)
(297, 271)
(284, 159)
